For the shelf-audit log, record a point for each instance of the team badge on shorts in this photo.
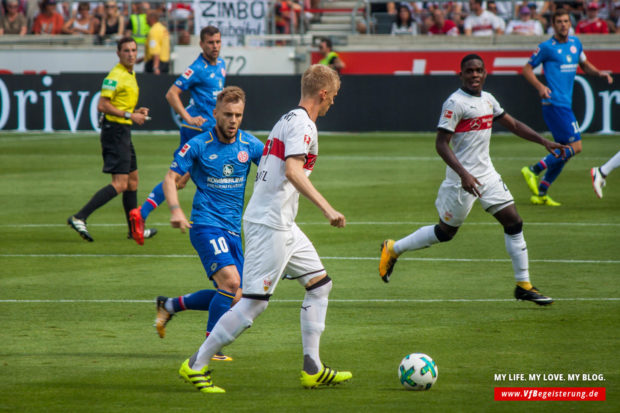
(447, 217)
(243, 156)
(213, 266)
(266, 285)
(228, 170)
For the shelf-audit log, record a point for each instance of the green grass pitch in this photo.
(76, 318)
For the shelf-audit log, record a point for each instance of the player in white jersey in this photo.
(466, 121)
(274, 244)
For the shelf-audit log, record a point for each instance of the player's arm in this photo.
(442, 145)
(590, 69)
(105, 106)
(173, 96)
(528, 73)
(523, 131)
(294, 172)
(177, 216)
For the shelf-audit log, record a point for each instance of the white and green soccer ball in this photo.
(417, 371)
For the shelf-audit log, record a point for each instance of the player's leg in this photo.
(453, 204)
(306, 267)
(599, 174)
(266, 256)
(116, 153)
(514, 240)
(167, 307)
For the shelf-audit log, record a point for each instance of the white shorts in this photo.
(271, 253)
(454, 203)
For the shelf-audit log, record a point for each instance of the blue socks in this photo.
(553, 166)
(155, 198)
(200, 300)
(219, 305)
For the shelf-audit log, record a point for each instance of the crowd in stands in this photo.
(107, 21)
(489, 17)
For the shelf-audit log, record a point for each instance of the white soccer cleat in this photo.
(598, 182)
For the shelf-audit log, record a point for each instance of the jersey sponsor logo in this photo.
(243, 156)
(184, 150)
(228, 170)
(109, 84)
(447, 114)
(188, 73)
(479, 123)
(310, 161)
(274, 147)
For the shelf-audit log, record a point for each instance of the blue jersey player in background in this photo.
(560, 57)
(204, 79)
(218, 162)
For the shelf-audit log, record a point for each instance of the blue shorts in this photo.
(562, 124)
(217, 248)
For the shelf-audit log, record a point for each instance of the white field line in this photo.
(387, 223)
(373, 300)
(477, 260)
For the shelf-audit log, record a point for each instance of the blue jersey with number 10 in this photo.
(220, 173)
(204, 82)
(560, 62)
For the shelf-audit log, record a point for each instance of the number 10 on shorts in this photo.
(219, 245)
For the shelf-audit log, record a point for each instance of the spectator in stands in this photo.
(287, 16)
(157, 49)
(525, 25)
(14, 21)
(112, 22)
(481, 22)
(81, 22)
(591, 23)
(330, 58)
(181, 22)
(138, 27)
(404, 22)
(492, 8)
(575, 10)
(502, 9)
(49, 21)
(376, 9)
(441, 25)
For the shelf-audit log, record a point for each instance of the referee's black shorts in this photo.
(119, 156)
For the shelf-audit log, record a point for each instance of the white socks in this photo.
(611, 164)
(230, 326)
(422, 238)
(517, 249)
(312, 319)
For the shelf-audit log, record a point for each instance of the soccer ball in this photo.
(417, 371)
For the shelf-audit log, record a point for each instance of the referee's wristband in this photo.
(127, 115)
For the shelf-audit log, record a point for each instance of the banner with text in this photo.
(234, 18)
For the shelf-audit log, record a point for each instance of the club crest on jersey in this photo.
(188, 73)
(228, 170)
(573, 49)
(184, 150)
(447, 114)
(243, 156)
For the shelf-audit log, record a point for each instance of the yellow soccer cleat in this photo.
(388, 259)
(163, 316)
(325, 377)
(530, 179)
(543, 200)
(219, 356)
(200, 379)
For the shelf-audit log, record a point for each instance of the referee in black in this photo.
(119, 96)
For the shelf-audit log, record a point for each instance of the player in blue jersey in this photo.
(218, 162)
(204, 79)
(560, 57)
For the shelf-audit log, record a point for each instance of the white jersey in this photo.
(470, 118)
(275, 200)
(484, 25)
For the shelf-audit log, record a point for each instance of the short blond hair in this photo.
(230, 94)
(318, 77)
